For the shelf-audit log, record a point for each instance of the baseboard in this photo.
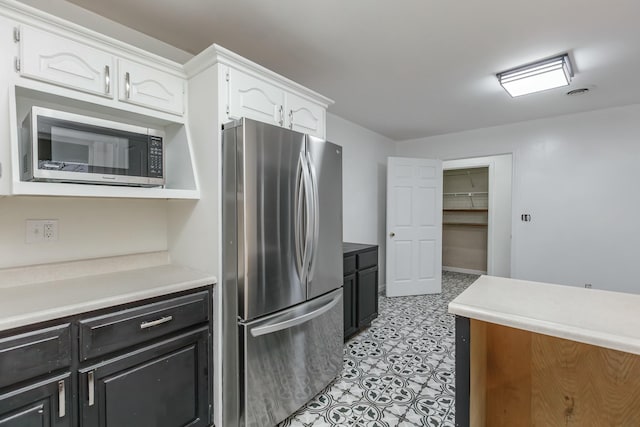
(382, 288)
(462, 270)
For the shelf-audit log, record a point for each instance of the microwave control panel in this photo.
(155, 157)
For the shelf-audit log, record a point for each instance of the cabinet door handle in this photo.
(107, 79)
(62, 404)
(281, 121)
(127, 85)
(290, 119)
(91, 388)
(145, 325)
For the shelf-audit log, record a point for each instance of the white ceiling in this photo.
(412, 68)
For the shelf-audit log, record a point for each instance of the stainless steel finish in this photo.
(267, 162)
(232, 248)
(282, 323)
(284, 369)
(127, 85)
(289, 320)
(16, 34)
(33, 172)
(290, 119)
(17, 63)
(62, 404)
(107, 79)
(325, 161)
(151, 324)
(91, 387)
(281, 121)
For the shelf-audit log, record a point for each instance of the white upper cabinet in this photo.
(305, 116)
(65, 62)
(149, 87)
(254, 98)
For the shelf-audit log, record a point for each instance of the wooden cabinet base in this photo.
(520, 378)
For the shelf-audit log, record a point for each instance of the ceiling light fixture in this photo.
(538, 76)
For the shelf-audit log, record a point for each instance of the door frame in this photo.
(499, 224)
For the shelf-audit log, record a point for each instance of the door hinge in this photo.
(16, 34)
(17, 64)
(228, 109)
(227, 75)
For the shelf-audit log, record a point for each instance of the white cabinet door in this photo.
(254, 98)
(149, 87)
(65, 62)
(305, 116)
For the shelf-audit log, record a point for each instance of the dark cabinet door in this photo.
(162, 385)
(367, 296)
(350, 315)
(43, 404)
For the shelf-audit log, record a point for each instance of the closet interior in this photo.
(464, 220)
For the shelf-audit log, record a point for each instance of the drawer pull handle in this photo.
(92, 388)
(62, 404)
(107, 80)
(127, 85)
(145, 325)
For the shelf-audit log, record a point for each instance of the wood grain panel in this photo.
(575, 384)
(478, 374)
(508, 377)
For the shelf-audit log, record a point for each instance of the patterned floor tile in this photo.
(399, 372)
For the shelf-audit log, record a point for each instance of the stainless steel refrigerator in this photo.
(282, 270)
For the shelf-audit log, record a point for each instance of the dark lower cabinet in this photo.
(360, 287)
(349, 303)
(46, 403)
(158, 374)
(163, 385)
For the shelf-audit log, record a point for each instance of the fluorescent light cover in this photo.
(536, 77)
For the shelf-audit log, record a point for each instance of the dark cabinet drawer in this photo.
(116, 331)
(35, 353)
(42, 404)
(367, 259)
(349, 264)
(162, 385)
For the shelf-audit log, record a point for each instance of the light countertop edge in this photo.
(30, 304)
(533, 319)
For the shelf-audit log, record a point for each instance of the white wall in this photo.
(87, 228)
(577, 176)
(364, 172)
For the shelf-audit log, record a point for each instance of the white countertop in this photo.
(37, 302)
(591, 316)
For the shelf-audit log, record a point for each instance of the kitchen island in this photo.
(537, 354)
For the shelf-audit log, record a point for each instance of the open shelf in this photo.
(470, 224)
(466, 210)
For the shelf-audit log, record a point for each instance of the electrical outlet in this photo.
(588, 285)
(41, 230)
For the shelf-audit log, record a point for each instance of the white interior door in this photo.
(414, 226)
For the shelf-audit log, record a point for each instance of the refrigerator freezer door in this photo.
(269, 165)
(289, 358)
(325, 269)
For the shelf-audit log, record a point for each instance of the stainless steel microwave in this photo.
(65, 147)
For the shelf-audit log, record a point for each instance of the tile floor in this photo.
(398, 372)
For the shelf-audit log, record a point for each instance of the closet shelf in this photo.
(468, 194)
(470, 224)
(465, 210)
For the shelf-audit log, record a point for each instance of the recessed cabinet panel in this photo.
(305, 116)
(162, 385)
(349, 298)
(43, 404)
(62, 61)
(149, 87)
(255, 99)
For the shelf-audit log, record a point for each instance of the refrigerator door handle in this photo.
(277, 325)
(299, 239)
(315, 215)
(308, 196)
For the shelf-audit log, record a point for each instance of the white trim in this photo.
(462, 270)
